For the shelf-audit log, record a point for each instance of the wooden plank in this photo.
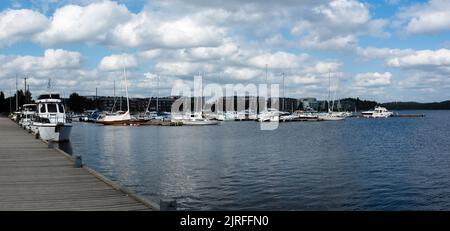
(34, 177)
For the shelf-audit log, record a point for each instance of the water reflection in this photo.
(358, 164)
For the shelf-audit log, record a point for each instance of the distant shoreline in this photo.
(445, 105)
(420, 109)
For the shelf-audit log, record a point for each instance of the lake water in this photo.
(356, 164)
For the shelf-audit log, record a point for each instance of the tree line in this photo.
(77, 103)
(445, 105)
(8, 105)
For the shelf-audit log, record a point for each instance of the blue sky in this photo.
(388, 50)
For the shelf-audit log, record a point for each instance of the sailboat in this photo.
(197, 118)
(331, 115)
(120, 117)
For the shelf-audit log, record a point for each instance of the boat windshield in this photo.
(61, 108)
(41, 108)
(52, 108)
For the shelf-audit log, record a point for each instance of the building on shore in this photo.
(310, 103)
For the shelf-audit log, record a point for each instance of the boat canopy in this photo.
(49, 96)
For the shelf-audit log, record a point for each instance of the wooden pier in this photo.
(35, 177)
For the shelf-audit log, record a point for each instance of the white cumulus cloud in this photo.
(430, 17)
(373, 79)
(16, 25)
(118, 62)
(242, 73)
(146, 30)
(52, 60)
(278, 60)
(422, 58)
(90, 23)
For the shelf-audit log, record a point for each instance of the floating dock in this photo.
(409, 115)
(35, 177)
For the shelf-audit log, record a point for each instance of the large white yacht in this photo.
(378, 112)
(50, 122)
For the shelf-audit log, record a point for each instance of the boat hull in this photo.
(377, 116)
(53, 132)
(200, 123)
(116, 122)
(331, 118)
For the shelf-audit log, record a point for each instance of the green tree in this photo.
(77, 103)
(3, 107)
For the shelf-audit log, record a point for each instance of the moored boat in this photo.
(120, 117)
(50, 122)
(197, 119)
(331, 116)
(269, 115)
(378, 112)
(27, 115)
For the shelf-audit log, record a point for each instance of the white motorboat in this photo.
(331, 116)
(286, 116)
(15, 116)
(246, 115)
(378, 112)
(269, 115)
(197, 119)
(50, 122)
(227, 116)
(27, 115)
(306, 115)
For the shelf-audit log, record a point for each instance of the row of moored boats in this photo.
(48, 120)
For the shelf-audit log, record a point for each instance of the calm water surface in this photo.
(357, 164)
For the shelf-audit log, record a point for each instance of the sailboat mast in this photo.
(267, 94)
(148, 104)
(329, 90)
(334, 98)
(17, 96)
(283, 94)
(338, 103)
(126, 89)
(25, 89)
(114, 105)
(266, 74)
(157, 95)
(10, 97)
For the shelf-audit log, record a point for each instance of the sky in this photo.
(384, 50)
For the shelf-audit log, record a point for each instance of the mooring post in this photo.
(50, 144)
(167, 205)
(78, 163)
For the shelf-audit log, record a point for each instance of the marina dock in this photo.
(35, 177)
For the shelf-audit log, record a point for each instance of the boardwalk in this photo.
(34, 177)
